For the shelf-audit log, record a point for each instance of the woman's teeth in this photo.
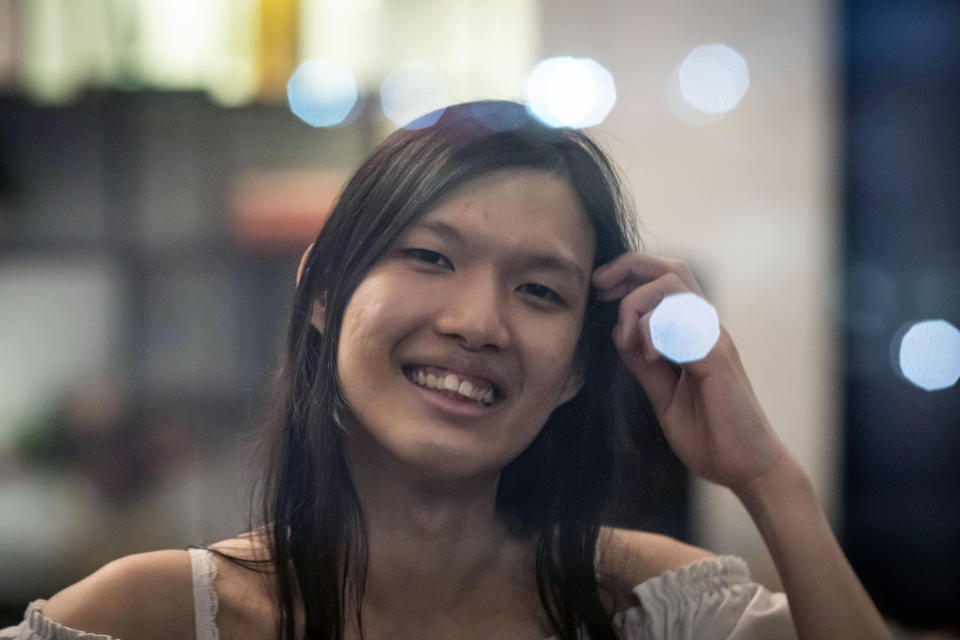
(451, 383)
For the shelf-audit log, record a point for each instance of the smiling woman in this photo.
(463, 252)
(469, 296)
(441, 451)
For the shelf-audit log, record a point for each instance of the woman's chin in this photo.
(432, 461)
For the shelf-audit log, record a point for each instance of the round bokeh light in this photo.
(929, 354)
(322, 92)
(713, 78)
(570, 92)
(411, 90)
(492, 114)
(684, 327)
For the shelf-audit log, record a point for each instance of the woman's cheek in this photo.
(557, 353)
(372, 304)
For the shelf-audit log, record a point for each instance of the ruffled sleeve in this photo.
(36, 627)
(712, 599)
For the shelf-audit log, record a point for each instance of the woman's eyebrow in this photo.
(554, 263)
(441, 229)
(549, 262)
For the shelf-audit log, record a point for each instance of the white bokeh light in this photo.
(322, 92)
(570, 92)
(414, 95)
(496, 117)
(684, 327)
(929, 354)
(713, 78)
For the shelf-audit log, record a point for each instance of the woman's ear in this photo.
(318, 316)
(303, 263)
(573, 384)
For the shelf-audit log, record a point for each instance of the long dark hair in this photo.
(554, 493)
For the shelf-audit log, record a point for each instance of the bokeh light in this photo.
(713, 78)
(411, 90)
(322, 92)
(570, 92)
(495, 117)
(929, 354)
(684, 327)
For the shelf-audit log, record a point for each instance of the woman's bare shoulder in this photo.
(138, 597)
(245, 587)
(248, 546)
(629, 557)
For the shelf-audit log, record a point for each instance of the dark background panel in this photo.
(901, 106)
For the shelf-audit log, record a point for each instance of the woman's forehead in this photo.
(523, 207)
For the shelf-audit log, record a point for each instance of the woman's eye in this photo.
(430, 257)
(540, 291)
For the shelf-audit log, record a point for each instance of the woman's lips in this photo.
(442, 380)
(453, 404)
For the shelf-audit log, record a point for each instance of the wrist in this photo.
(785, 482)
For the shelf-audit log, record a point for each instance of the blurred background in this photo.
(163, 164)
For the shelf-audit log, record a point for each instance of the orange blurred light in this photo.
(283, 209)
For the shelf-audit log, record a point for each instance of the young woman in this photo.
(469, 326)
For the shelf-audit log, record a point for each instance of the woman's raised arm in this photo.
(715, 425)
(826, 597)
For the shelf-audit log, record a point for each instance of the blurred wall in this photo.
(748, 201)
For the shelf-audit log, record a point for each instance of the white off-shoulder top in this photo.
(711, 599)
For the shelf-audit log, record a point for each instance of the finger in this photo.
(633, 327)
(723, 356)
(633, 333)
(616, 292)
(656, 374)
(629, 270)
(645, 298)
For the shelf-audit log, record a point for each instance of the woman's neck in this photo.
(434, 544)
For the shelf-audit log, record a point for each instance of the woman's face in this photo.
(483, 297)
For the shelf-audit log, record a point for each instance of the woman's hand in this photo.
(714, 424)
(708, 411)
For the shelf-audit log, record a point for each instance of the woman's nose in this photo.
(474, 312)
